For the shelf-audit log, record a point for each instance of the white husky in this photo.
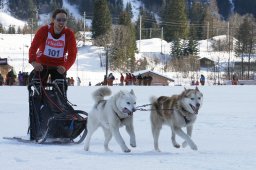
(176, 111)
(111, 114)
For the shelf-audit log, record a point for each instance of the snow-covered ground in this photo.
(224, 133)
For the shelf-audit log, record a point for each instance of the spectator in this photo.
(234, 79)
(78, 81)
(110, 79)
(133, 79)
(197, 83)
(126, 79)
(192, 82)
(68, 81)
(72, 81)
(1, 80)
(139, 77)
(129, 79)
(121, 80)
(25, 78)
(10, 78)
(21, 79)
(202, 80)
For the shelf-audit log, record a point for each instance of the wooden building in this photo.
(206, 62)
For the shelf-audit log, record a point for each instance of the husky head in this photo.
(126, 102)
(192, 100)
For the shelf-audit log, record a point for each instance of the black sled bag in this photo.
(52, 116)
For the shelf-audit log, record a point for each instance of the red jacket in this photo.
(39, 42)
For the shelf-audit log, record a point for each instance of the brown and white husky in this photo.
(176, 111)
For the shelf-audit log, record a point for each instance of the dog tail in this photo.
(153, 99)
(99, 94)
(154, 103)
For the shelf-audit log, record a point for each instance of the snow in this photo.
(6, 20)
(224, 133)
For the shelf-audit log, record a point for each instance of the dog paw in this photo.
(184, 144)
(157, 150)
(86, 148)
(176, 146)
(127, 150)
(133, 145)
(194, 147)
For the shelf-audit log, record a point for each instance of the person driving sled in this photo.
(53, 49)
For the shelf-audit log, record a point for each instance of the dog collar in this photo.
(121, 119)
(186, 120)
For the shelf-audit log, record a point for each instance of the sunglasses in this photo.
(61, 19)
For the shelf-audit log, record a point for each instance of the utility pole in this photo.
(162, 36)
(84, 25)
(208, 25)
(140, 34)
(107, 50)
(228, 52)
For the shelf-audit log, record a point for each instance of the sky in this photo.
(224, 133)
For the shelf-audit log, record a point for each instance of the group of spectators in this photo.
(127, 79)
(11, 79)
(131, 79)
(70, 81)
(23, 79)
(202, 81)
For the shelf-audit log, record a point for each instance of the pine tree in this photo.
(1, 28)
(11, 29)
(245, 40)
(19, 30)
(128, 9)
(116, 7)
(177, 50)
(124, 44)
(175, 20)
(196, 18)
(101, 23)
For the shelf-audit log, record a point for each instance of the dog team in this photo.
(176, 111)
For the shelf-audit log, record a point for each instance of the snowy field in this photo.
(224, 133)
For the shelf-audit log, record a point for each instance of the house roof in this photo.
(205, 58)
(152, 72)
